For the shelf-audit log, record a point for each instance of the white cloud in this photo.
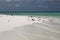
(8, 0)
(17, 5)
(39, 6)
(17, 0)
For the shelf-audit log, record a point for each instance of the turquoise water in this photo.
(44, 14)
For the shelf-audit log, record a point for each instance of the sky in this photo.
(29, 5)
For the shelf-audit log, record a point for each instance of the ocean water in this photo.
(47, 28)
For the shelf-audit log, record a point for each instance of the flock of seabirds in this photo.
(38, 19)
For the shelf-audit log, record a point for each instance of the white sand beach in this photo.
(23, 28)
(8, 22)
